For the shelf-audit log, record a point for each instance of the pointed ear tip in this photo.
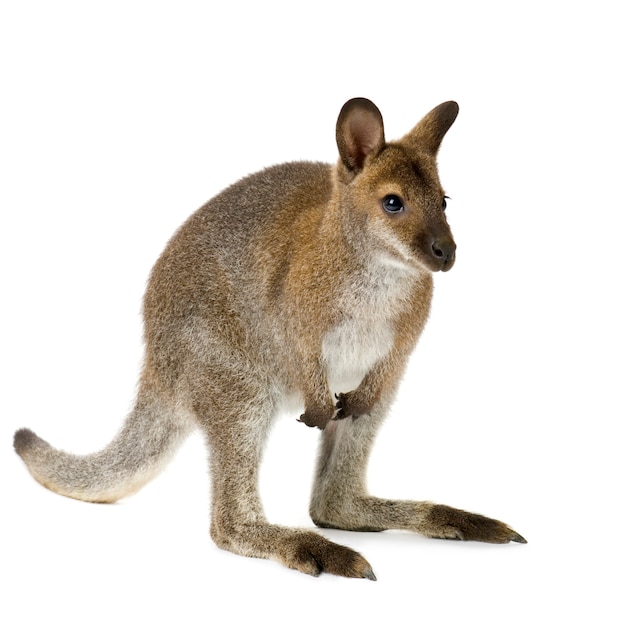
(452, 107)
(358, 100)
(359, 103)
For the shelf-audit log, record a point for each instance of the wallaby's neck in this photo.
(372, 281)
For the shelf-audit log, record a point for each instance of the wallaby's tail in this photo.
(145, 443)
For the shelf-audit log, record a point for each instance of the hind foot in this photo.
(445, 522)
(313, 554)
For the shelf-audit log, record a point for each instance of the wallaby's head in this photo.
(391, 191)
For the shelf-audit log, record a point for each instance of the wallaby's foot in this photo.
(302, 550)
(428, 519)
(445, 522)
(350, 405)
(313, 554)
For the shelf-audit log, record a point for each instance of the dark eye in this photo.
(393, 204)
(444, 204)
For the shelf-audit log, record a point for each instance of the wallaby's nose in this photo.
(444, 249)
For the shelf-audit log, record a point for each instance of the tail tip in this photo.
(25, 440)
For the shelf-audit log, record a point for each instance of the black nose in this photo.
(444, 249)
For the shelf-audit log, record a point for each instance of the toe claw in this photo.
(369, 574)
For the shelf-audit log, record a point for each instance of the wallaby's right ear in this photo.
(360, 132)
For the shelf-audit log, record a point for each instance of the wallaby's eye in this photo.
(444, 204)
(393, 204)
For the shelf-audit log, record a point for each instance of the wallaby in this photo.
(303, 285)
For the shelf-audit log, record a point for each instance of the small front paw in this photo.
(317, 417)
(348, 405)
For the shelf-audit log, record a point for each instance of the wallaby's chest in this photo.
(366, 333)
(352, 348)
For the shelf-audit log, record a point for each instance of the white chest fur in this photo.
(366, 334)
(352, 348)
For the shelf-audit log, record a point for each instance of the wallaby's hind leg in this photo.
(145, 443)
(340, 498)
(236, 436)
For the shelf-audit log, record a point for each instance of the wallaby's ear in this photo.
(429, 132)
(360, 132)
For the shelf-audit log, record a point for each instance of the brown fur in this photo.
(293, 287)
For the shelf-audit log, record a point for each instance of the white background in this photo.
(119, 119)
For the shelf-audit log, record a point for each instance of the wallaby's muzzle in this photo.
(435, 250)
(444, 252)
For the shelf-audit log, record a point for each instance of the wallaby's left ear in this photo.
(360, 132)
(429, 132)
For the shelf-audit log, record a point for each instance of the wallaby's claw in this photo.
(317, 417)
(306, 419)
(369, 574)
(340, 408)
(349, 406)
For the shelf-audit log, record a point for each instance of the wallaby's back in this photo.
(218, 286)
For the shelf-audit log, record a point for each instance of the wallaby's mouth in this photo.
(447, 264)
(432, 264)
(441, 265)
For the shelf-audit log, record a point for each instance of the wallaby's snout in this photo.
(436, 249)
(444, 250)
